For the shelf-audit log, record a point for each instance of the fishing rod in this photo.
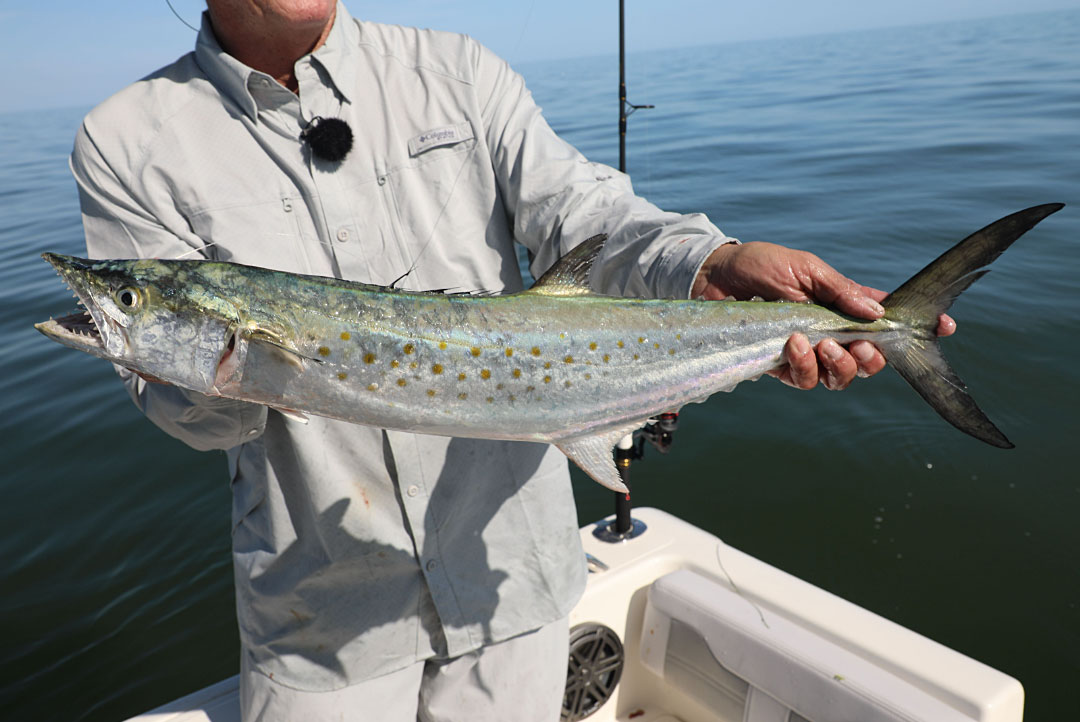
(658, 431)
(626, 109)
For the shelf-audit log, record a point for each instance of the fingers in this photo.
(801, 370)
(834, 289)
(867, 357)
(830, 363)
(946, 325)
(838, 367)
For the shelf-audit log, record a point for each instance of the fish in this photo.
(557, 363)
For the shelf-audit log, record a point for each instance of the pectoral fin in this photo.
(282, 352)
(594, 455)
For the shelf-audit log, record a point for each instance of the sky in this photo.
(65, 53)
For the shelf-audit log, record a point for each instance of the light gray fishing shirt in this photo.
(358, 551)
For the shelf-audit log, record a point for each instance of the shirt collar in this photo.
(230, 76)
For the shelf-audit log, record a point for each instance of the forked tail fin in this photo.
(929, 293)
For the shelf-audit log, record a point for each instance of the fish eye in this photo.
(127, 298)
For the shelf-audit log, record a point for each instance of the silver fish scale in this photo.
(525, 366)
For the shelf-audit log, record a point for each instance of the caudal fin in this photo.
(929, 293)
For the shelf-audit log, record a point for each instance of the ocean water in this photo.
(875, 150)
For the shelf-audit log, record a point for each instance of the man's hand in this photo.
(778, 273)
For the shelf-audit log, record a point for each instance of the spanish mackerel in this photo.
(556, 363)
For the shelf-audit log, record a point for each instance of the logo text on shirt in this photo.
(437, 137)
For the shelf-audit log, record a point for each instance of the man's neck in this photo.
(268, 46)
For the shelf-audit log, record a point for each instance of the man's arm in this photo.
(555, 198)
(120, 222)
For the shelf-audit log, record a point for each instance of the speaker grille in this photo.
(593, 670)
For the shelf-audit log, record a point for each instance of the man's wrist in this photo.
(707, 274)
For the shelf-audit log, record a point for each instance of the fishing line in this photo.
(524, 27)
(739, 591)
(438, 218)
(185, 22)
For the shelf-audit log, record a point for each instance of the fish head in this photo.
(158, 318)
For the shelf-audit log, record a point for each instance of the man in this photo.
(382, 575)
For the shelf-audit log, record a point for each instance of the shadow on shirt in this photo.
(452, 561)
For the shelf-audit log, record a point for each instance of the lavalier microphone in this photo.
(328, 138)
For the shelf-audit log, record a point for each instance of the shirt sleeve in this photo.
(556, 198)
(121, 224)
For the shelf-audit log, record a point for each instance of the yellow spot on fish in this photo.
(490, 399)
(516, 373)
(342, 376)
(485, 374)
(369, 358)
(372, 387)
(535, 350)
(345, 336)
(606, 358)
(636, 357)
(530, 388)
(641, 339)
(671, 352)
(592, 346)
(413, 364)
(324, 351)
(436, 369)
(475, 350)
(401, 382)
(678, 337)
(619, 344)
(394, 363)
(562, 335)
(510, 397)
(568, 359)
(463, 396)
(431, 392)
(509, 352)
(461, 377)
(656, 345)
(547, 379)
(588, 376)
(567, 384)
(442, 345)
(409, 348)
(547, 364)
(499, 387)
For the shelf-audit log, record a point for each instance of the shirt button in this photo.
(382, 180)
(413, 490)
(432, 565)
(343, 234)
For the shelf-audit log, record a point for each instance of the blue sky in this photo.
(69, 53)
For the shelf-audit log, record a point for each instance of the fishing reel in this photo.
(658, 431)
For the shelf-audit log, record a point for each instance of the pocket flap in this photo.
(439, 137)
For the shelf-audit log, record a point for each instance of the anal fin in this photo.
(594, 455)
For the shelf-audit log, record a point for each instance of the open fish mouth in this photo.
(78, 325)
(80, 329)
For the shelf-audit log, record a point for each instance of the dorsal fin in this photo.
(570, 274)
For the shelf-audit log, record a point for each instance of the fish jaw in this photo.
(89, 328)
(125, 320)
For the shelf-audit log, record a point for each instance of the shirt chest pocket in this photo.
(443, 197)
